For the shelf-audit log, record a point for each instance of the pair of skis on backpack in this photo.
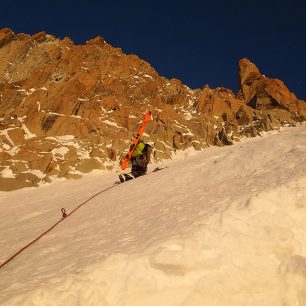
(126, 177)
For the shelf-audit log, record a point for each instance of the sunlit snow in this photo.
(224, 226)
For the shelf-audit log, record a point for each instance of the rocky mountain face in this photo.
(66, 109)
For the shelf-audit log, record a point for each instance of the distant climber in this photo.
(140, 159)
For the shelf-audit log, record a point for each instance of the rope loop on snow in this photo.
(64, 214)
(64, 217)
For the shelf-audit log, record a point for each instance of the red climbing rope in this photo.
(64, 216)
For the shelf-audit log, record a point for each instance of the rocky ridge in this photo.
(66, 109)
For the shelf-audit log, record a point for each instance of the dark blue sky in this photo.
(197, 42)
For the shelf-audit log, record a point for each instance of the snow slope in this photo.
(225, 226)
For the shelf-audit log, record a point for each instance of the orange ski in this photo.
(135, 141)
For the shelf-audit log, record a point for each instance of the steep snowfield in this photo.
(225, 226)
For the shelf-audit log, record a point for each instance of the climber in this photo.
(140, 159)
